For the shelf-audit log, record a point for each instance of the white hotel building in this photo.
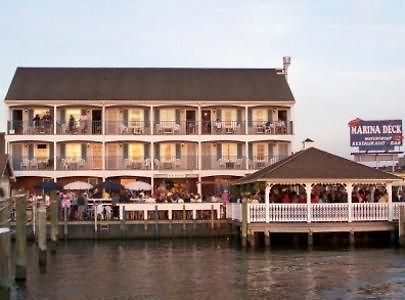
(195, 129)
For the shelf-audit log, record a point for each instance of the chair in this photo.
(176, 128)
(127, 163)
(100, 211)
(238, 163)
(81, 164)
(65, 164)
(157, 163)
(24, 164)
(146, 164)
(123, 129)
(221, 163)
(34, 163)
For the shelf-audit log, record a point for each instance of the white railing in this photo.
(369, 212)
(234, 211)
(325, 212)
(288, 213)
(330, 212)
(256, 213)
(169, 207)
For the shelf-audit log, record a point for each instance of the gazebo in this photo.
(312, 169)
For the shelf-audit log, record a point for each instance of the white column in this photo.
(54, 156)
(247, 155)
(199, 120)
(349, 190)
(54, 119)
(199, 155)
(152, 183)
(308, 190)
(103, 131)
(152, 121)
(103, 118)
(388, 186)
(199, 187)
(267, 201)
(152, 156)
(246, 119)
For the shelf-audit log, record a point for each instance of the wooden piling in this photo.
(5, 263)
(156, 221)
(310, 239)
(212, 216)
(352, 238)
(267, 242)
(243, 227)
(54, 221)
(401, 225)
(42, 235)
(65, 219)
(21, 235)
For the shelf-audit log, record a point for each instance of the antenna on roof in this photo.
(307, 143)
(286, 64)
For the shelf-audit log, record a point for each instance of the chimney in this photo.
(286, 64)
(307, 143)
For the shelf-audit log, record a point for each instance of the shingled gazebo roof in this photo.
(314, 164)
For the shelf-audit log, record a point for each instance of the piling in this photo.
(65, 218)
(243, 228)
(310, 239)
(42, 235)
(352, 238)
(212, 216)
(184, 218)
(53, 210)
(156, 221)
(21, 236)
(5, 263)
(401, 225)
(267, 239)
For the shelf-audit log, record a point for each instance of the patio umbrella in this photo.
(78, 185)
(109, 186)
(138, 186)
(48, 186)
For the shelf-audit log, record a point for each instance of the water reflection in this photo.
(207, 269)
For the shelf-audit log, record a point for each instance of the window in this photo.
(41, 152)
(259, 152)
(75, 112)
(260, 115)
(167, 151)
(229, 116)
(40, 111)
(73, 151)
(283, 150)
(167, 115)
(135, 151)
(229, 150)
(135, 116)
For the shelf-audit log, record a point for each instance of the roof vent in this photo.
(307, 143)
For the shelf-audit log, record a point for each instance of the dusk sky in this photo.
(348, 57)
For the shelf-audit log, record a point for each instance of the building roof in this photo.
(313, 163)
(5, 167)
(148, 84)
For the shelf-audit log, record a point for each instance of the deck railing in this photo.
(326, 212)
(233, 211)
(270, 127)
(40, 127)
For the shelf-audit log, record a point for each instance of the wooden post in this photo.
(212, 216)
(156, 220)
(352, 238)
(21, 236)
(42, 235)
(267, 242)
(184, 217)
(243, 227)
(5, 263)
(401, 224)
(54, 221)
(310, 239)
(65, 217)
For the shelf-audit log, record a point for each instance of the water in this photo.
(207, 269)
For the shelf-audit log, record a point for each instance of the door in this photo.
(17, 123)
(96, 121)
(206, 121)
(17, 156)
(190, 122)
(113, 121)
(95, 158)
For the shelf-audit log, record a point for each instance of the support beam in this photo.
(267, 202)
(349, 190)
(308, 190)
(243, 227)
(310, 239)
(53, 210)
(390, 207)
(267, 241)
(352, 238)
(20, 199)
(42, 235)
(251, 239)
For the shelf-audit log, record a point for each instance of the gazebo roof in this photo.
(313, 163)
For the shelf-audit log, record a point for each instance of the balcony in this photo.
(40, 127)
(121, 163)
(79, 127)
(223, 127)
(270, 127)
(31, 164)
(176, 128)
(259, 162)
(128, 128)
(176, 163)
(75, 163)
(224, 162)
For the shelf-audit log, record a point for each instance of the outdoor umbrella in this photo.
(48, 186)
(109, 186)
(138, 186)
(78, 185)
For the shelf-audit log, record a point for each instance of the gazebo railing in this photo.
(322, 212)
(234, 211)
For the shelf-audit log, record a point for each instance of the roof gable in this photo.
(313, 163)
(148, 84)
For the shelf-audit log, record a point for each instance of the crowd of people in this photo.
(42, 123)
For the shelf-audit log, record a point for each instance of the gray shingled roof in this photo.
(313, 163)
(5, 165)
(148, 84)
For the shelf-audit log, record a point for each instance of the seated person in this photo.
(218, 125)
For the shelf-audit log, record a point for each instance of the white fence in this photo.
(326, 212)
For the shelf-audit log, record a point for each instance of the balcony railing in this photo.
(30, 127)
(223, 127)
(121, 163)
(270, 127)
(173, 163)
(224, 162)
(133, 127)
(176, 128)
(79, 127)
(31, 164)
(75, 163)
(259, 162)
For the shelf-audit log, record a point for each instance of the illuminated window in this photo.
(229, 150)
(40, 111)
(259, 115)
(75, 112)
(167, 115)
(135, 151)
(41, 151)
(167, 151)
(229, 116)
(73, 151)
(135, 116)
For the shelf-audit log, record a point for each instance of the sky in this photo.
(348, 57)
